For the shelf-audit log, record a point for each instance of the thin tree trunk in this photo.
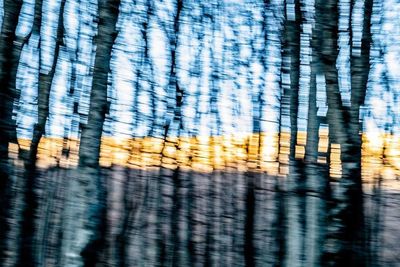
(249, 247)
(173, 79)
(317, 178)
(27, 255)
(26, 241)
(292, 34)
(45, 82)
(291, 63)
(169, 243)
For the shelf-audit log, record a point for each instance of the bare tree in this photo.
(87, 188)
(344, 128)
(27, 255)
(8, 62)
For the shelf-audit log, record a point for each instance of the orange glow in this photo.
(336, 163)
(267, 152)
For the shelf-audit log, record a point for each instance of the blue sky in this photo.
(232, 46)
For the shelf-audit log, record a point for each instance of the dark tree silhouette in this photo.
(344, 128)
(87, 181)
(26, 248)
(8, 62)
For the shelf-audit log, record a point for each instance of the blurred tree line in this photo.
(307, 72)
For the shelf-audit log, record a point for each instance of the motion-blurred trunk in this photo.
(327, 35)
(8, 66)
(173, 85)
(169, 240)
(316, 175)
(27, 254)
(249, 246)
(290, 83)
(291, 56)
(45, 82)
(86, 220)
(26, 240)
(360, 67)
(346, 239)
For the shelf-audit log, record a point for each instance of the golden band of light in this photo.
(266, 152)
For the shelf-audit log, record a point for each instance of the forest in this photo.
(199, 133)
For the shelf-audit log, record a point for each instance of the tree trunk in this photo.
(291, 64)
(316, 175)
(89, 150)
(27, 255)
(87, 221)
(7, 125)
(45, 82)
(346, 241)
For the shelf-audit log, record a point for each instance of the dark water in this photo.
(167, 218)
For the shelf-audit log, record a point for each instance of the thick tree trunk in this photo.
(7, 125)
(89, 150)
(86, 219)
(346, 238)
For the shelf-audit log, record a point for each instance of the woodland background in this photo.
(199, 133)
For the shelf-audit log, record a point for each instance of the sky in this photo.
(231, 46)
